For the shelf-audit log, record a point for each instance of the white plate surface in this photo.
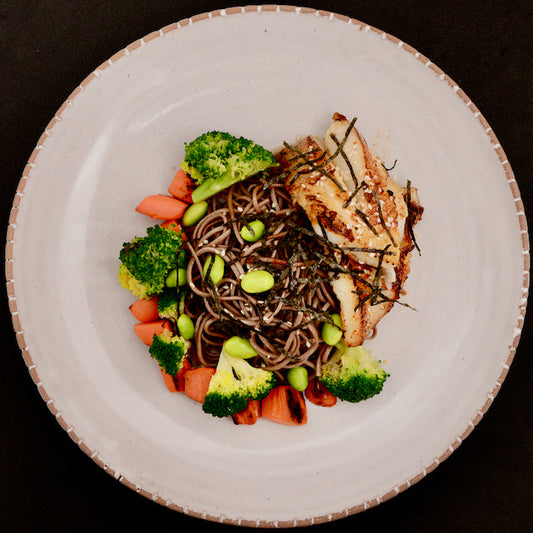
(268, 74)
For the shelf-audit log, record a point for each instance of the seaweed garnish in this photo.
(367, 222)
(382, 219)
(313, 166)
(346, 159)
(410, 217)
(391, 168)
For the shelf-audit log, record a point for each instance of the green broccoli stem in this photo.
(211, 186)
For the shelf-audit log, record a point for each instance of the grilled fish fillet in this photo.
(349, 198)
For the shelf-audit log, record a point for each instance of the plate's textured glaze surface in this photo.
(284, 72)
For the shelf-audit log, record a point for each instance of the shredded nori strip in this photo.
(340, 146)
(320, 168)
(346, 160)
(364, 218)
(410, 217)
(313, 167)
(389, 169)
(382, 219)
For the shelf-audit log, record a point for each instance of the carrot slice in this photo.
(170, 381)
(249, 415)
(285, 405)
(145, 310)
(182, 186)
(317, 393)
(162, 207)
(174, 225)
(176, 383)
(197, 382)
(146, 330)
(179, 378)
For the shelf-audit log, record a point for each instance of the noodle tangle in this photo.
(283, 323)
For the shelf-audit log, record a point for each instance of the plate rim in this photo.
(41, 144)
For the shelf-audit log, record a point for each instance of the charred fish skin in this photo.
(350, 199)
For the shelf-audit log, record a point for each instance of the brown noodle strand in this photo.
(283, 325)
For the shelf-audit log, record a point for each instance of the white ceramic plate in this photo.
(269, 74)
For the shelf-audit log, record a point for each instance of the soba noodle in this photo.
(282, 324)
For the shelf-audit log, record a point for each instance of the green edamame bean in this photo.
(337, 320)
(172, 278)
(253, 231)
(257, 281)
(194, 213)
(332, 334)
(298, 378)
(186, 327)
(239, 347)
(216, 271)
(182, 277)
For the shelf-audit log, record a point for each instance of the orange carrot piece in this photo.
(170, 381)
(174, 225)
(317, 393)
(182, 186)
(197, 382)
(179, 378)
(145, 310)
(146, 330)
(285, 405)
(162, 207)
(249, 415)
(176, 383)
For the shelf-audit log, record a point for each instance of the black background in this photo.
(46, 49)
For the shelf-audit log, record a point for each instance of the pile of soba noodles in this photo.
(283, 324)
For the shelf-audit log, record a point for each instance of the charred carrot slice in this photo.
(170, 381)
(146, 330)
(317, 393)
(176, 383)
(174, 225)
(145, 310)
(162, 207)
(182, 186)
(197, 382)
(179, 378)
(285, 405)
(249, 415)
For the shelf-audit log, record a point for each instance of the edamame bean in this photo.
(253, 231)
(216, 271)
(186, 327)
(332, 334)
(298, 378)
(182, 277)
(257, 281)
(172, 278)
(194, 213)
(337, 320)
(239, 347)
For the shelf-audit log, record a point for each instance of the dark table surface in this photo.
(47, 47)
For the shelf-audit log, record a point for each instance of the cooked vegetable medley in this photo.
(257, 287)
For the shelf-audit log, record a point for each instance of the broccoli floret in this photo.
(169, 351)
(234, 383)
(352, 374)
(216, 160)
(146, 261)
(167, 304)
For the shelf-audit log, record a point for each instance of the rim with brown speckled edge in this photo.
(93, 454)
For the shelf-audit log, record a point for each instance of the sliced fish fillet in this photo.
(349, 198)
